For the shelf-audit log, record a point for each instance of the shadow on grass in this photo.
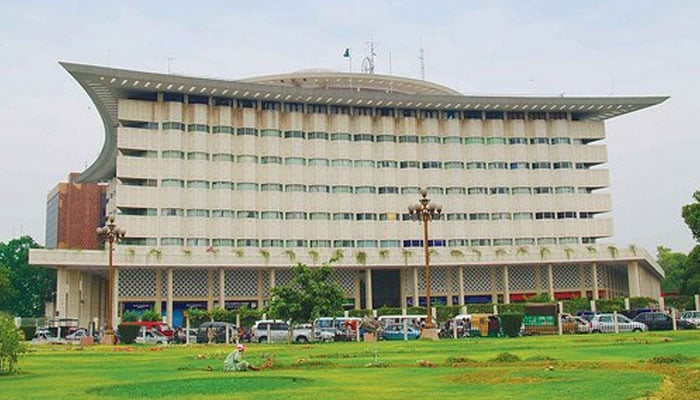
(230, 383)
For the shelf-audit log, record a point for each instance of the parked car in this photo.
(605, 323)
(396, 332)
(658, 321)
(45, 336)
(219, 330)
(692, 317)
(329, 329)
(572, 324)
(152, 336)
(78, 334)
(278, 331)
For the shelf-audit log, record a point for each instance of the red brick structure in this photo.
(74, 211)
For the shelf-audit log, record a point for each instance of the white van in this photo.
(278, 332)
(328, 329)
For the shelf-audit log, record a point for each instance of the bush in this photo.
(150, 315)
(506, 357)
(129, 316)
(128, 333)
(28, 331)
(672, 359)
(511, 323)
(11, 343)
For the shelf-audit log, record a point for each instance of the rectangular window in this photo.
(222, 157)
(247, 214)
(171, 241)
(431, 165)
(197, 242)
(176, 154)
(295, 188)
(176, 183)
(295, 215)
(521, 190)
(197, 213)
(343, 243)
(198, 155)
(197, 184)
(247, 243)
(319, 216)
(457, 242)
(171, 212)
(388, 190)
(430, 140)
(271, 133)
(389, 243)
(539, 140)
(410, 190)
(455, 190)
(454, 165)
(270, 215)
(365, 190)
(294, 134)
(319, 243)
(386, 139)
(524, 241)
(342, 216)
(247, 158)
(294, 161)
(364, 163)
(366, 243)
(270, 187)
(408, 139)
(272, 243)
(223, 214)
(175, 126)
(479, 216)
(317, 136)
(478, 190)
(387, 164)
(346, 137)
(222, 242)
(270, 160)
(342, 189)
(363, 137)
(452, 140)
(295, 243)
(247, 186)
(198, 128)
(522, 216)
(222, 185)
(319, 189)
(341, 162)
(409, 164)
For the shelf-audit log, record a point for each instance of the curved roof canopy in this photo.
(105, 86)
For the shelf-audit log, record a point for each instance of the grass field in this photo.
(625, 366)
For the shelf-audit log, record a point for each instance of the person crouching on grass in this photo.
(234, 361)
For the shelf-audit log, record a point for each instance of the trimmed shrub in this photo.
(506, 357)
(28, 331)
(511, 322)
(129, 316)
(128, 333)
(150, 315)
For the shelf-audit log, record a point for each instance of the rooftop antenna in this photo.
(421, 59)
(368, 62)
(170, 59)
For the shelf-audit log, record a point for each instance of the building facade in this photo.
(221, 185)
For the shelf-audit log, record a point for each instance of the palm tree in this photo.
(633, 249)
(544, 252)
(457, 253)
(337, 255)
(591, 249)
(157, 253)
(238, 252)
(521, 251)
(613, 251)
(361, 257)
(314, 256)
(265, 255)
(568, 251)
(477, 253)
(291, 255)
(406, 255)
(383, 254)
(500, 252)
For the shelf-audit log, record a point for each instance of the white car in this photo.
(151, 337)
(605, 323)
(692, 317)
(78, 334)
(278, 332)
(45, 336)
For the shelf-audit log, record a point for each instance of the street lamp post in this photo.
(425, 212)
(110, 233)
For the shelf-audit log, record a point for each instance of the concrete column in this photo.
(550, 280)
(415, 286)
(594, 277)
(697, 302)
(633, 278)
(272, 278)
(358, 300)
(450, 278)
(368, 288)
(169, 301)
(402, 288)
(115, 304)
(460, 281)
(159, 292)
(259, 291)
(506, 285)
(222, 288)
(210, 288)
(61, 282)
(494, 284)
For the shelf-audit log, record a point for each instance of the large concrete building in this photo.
(221, 185)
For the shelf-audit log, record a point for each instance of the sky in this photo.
(601, 48)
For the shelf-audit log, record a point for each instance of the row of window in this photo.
(358, 111)
(358, 137)
(347, 216)
(343, 243)
(301, 188)
(346, 162)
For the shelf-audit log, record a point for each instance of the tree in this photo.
(31, 287)
(691, 215)
(691, 278)
(675, 265)
(310, 295)
(5, 285)
(11, 343)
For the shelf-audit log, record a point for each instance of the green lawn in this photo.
(579, 367)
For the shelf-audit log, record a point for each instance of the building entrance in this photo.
(386, 288)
